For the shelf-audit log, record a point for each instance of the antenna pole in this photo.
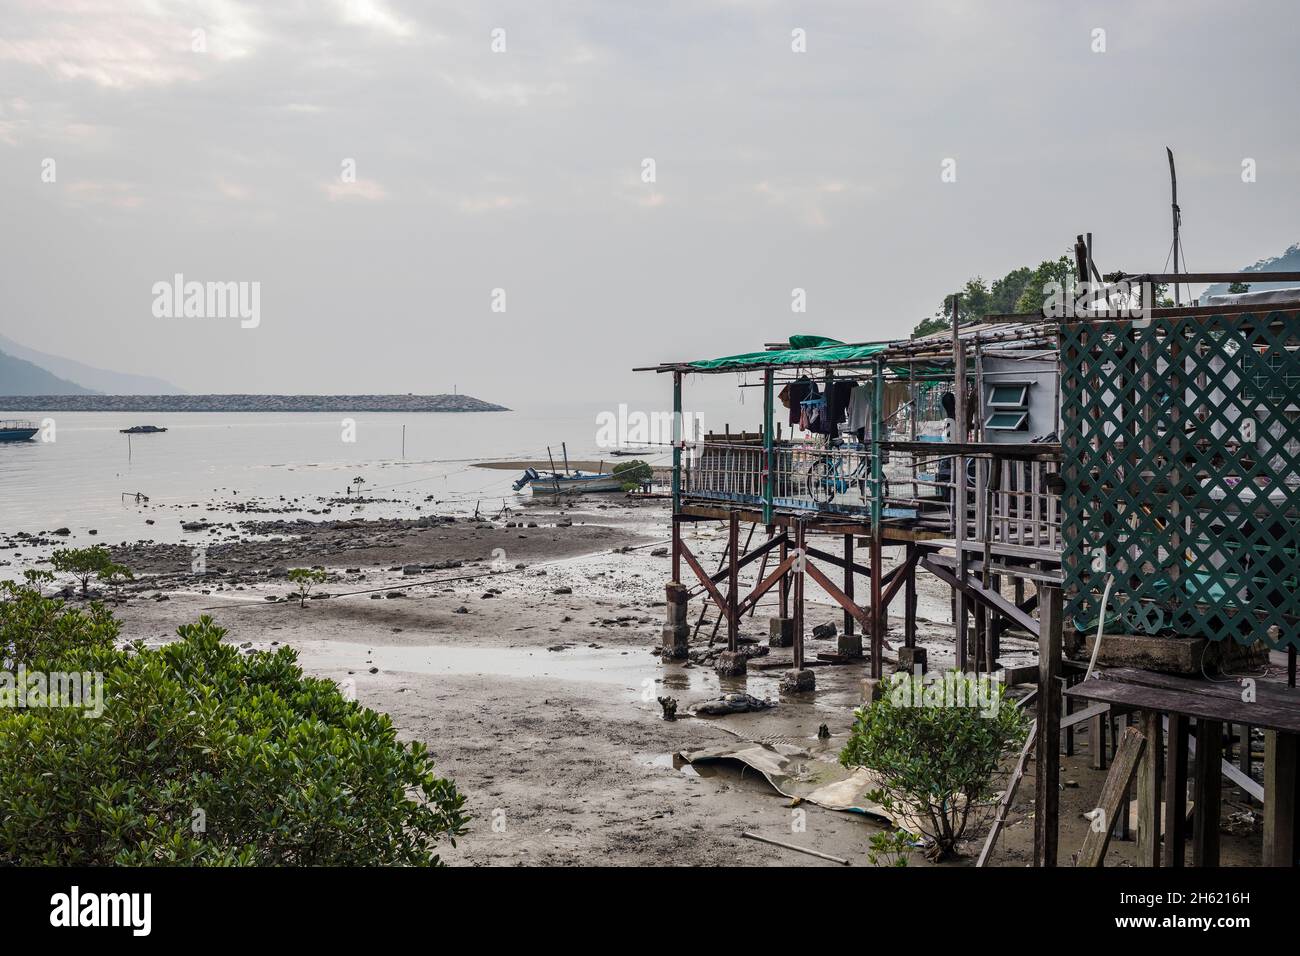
(1177, 216)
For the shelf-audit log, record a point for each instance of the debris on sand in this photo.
(731, 704)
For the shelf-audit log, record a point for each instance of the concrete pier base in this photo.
(780, 632)
(731, 664)
(798, 682)
(677, 629)
(909, 658)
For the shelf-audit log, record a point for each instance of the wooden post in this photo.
(909, 598)
(677, 548)
(798, 572)
(1048, 759)
(769, 456)
(677, 443)
(1150, 780)
(784, 585)
(1176, 792)
(848, 582)
(1280, 780)
(733, 580)
(877, 503)
(1208, 792)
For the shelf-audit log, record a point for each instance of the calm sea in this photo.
(87, 477)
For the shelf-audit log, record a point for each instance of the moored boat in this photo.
(17, 430)
(142, 430)
(554, 483)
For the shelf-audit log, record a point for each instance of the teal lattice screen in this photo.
(1181, 462)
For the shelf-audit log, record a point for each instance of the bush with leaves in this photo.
(936, 760)
(633, 474)
(204, 756)
(86, 563)
(306, 579)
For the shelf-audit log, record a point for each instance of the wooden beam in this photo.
(1205, 825)
(1114, 793)
(1150, 781)
(1176, 792)
(762, 587)
(700, 573)
(1008, 795)
(1279, 798)
(839, 596)
(1047, 797)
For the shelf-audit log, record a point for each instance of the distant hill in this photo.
(1288, 261)
(51, 402)
(20, 377)
(93, 379)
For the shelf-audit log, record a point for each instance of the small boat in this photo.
(554, 483)
(634, 452)
(142, 430)
(15, 430)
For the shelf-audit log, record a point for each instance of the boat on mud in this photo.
(142, 430)
(17, 430)
(555, 483)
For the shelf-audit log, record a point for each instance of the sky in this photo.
(432, 195)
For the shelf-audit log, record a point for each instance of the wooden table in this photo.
(1162, 699)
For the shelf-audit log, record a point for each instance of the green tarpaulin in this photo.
(806, 350)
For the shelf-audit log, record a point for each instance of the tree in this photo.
(204, 756)
(86, 563)
(306, 579)
(935, 745)
(1035, 291)
(1238, 288)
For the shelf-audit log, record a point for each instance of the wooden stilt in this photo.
(1176, 792)
(909, 598)
(1208, 793)
(1048, 760)
(1149, 784)
(1280, 777)
(733, 581)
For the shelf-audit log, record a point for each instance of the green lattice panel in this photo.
(1181, 461)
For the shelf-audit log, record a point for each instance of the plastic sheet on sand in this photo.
(798, 773)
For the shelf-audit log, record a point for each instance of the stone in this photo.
(823, 632)
(798, 681)
(780, 632)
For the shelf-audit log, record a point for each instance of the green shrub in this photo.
(306, 579)
(936, 758)
(633, 474)
(86, 563)
(36, 631)
(205, 756)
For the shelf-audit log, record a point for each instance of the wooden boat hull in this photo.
(575, 484)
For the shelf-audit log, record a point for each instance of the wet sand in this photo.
(535, 686)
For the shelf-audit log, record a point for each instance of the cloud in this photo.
(366, 189)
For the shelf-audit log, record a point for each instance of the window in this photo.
(1009, 395)
(1007, 421)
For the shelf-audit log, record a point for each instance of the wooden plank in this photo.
(1047, 797)
(1247, 784)
(1202, 705)
(1149, 783)
(1279, 799)
(985, 596)
(1008, 795)
(1113, 796)
(700, 573)
(1269, 693)
(1205, 825)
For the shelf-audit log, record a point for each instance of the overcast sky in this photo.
(522, 170)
